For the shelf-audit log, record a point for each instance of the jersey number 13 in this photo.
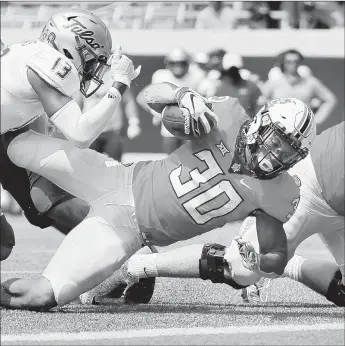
(197, 178)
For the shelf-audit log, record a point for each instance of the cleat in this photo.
(140, 292)
(117, 292)
(253, 294)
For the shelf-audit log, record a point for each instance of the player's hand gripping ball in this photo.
(191, 118)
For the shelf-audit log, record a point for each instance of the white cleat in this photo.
(257, 293)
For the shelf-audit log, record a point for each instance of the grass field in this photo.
(180, 312)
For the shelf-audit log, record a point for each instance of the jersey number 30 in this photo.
(197, 177)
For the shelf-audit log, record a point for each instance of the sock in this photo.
(104, 288)
(142, 266)
(293, 268)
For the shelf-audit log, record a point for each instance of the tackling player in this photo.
(72, 54)
(321, 210)
(228, 174)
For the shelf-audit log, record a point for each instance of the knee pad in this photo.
(211, 265)
(336, 290)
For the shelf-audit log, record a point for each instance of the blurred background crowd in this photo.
(220, 71)
(184, 15)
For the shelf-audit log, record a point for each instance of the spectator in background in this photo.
(207, 86)
(309, 18)
(178, 72)
(260, 17)
(292, 81)
(216, 16)
(110, 142)
(234, 85)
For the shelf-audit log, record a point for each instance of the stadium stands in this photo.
(127, 15)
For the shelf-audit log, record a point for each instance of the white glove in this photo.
(122, 68)
(195, 109)
(133, 131)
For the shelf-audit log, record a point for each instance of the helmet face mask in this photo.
(273, 153)
(85, 40)
(272, 148)
(92, 72)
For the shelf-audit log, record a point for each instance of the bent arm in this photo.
(157, 96)
(272, 242)
(329, 101)
(81, 129)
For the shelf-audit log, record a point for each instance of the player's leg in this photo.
(7, 240)
(113, 146)
(115, 286)
(83, 173)
(16, 181)
(65, 210)
(315, 274)
(81, 262)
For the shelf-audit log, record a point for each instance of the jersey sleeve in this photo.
(231, 115)
(56, 70)
(280, 197)
(159, 77)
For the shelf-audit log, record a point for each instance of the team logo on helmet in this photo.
(81, 31)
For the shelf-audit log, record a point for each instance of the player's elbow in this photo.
(331, 100)
(273, 263)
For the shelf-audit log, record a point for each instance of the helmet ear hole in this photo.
(68, 54)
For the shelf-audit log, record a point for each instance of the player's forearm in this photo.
(142, 103)
(273, 263)
(325, 111)
(83, 129)
(157, 96)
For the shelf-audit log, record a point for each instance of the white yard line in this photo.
(147, 333)
(21, 271)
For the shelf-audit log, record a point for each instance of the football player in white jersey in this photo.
(39, 79)
(320, 211)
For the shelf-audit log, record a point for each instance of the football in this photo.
(173, 120)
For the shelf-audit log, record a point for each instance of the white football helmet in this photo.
(280, 135)
(85, 40)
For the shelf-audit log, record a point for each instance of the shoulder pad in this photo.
(56, 70)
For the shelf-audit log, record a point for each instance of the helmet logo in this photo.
(81, 31)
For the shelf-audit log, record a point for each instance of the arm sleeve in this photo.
(83, 129)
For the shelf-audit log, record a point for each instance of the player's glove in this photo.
(250, 258)
(122, 68)
(196, 110)
(134, 129)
